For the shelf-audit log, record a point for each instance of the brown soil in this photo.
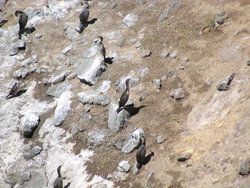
(161, 115)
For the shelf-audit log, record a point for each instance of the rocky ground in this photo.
(189, 64)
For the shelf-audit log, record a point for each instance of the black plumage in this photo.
(124, 97)
(140, 156)
(58, 182)
(23, 19)
(83, 17)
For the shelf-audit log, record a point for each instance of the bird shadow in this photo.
(29, 30)
(109, 60)
(148, 158)
(133, 110)
(92, 21)
(67, 186)
(19, 93)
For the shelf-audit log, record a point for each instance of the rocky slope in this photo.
(189, 68)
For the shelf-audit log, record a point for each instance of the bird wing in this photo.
(124, 98)
(84, 16)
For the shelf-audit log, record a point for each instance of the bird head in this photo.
(18, 12)
(98, 40)
(85, 5)
(127, 82)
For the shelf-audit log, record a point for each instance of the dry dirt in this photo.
(216, 151)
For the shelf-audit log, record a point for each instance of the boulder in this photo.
(120, 84)
(177, 93)
(90, 69)
(124, 166)
(224, 84)
(71, 34)
(133, 140)
(116, 121)
(130, 19)
(30, 122)
(63, 108)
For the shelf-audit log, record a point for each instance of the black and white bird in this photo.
(83, 17)
(140, 155)
(100, 47)
(124, 97)
(58, 182)
(23, 19)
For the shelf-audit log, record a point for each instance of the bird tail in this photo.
(20, 33)
(119, 109)
(138, 165)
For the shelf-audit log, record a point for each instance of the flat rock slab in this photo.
(98, 96)
(58, 89)
(96, 137)
(58, 77)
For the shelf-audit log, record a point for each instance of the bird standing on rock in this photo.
(58, 183)
(23, 19)
(124, 97)
(100, 47)
(83, 17)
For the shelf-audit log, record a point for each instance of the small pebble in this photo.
(145, 53)
(185, 156)
(160, 139)
(244, 167)
(174, 54)
(157, 83)
(248, 62)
